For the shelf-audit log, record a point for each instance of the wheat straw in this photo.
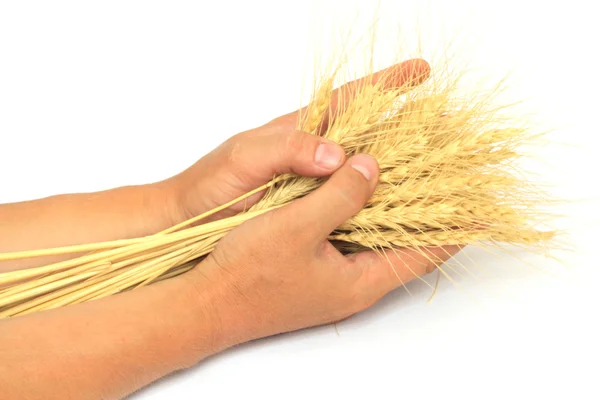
(450, 174)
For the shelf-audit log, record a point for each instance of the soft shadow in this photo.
(390, 303)
(403, 299)
(215, 359)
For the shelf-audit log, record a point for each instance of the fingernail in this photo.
(364, 164)
(328, 155)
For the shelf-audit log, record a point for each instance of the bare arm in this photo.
(271, 275)
(274, 274)
(104, 349)
(72, 219)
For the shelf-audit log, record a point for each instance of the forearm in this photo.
(106, 348)
(71, 219)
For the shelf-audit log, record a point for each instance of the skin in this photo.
(275, 273)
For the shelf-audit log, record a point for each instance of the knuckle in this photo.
(291, 143)
(296, 143)
(234, 150)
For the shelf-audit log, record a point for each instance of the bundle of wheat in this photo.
(450, 174)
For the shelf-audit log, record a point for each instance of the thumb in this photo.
(313, 217)
(298, 152)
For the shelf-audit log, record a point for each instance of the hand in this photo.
(250, 159)
(278, 273)
(273, 274)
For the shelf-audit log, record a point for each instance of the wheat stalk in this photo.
(450, 174)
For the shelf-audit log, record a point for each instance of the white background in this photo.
(95, 95)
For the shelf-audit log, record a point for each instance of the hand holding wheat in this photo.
(449, 176)
(278, 273)
(274, 273)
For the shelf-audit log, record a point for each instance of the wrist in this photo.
(163, 204)
(194, 191)
(231, 317)
(225, 319)
(178, 201)
(203, 313)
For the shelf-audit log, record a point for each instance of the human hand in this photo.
(250, 159)
(278, 273)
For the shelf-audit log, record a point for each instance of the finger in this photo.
(312, 218)
(385, 272)
(407, 74)
(260, 157)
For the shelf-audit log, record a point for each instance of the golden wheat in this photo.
(450, 174)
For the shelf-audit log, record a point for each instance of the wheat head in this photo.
(450, 174)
